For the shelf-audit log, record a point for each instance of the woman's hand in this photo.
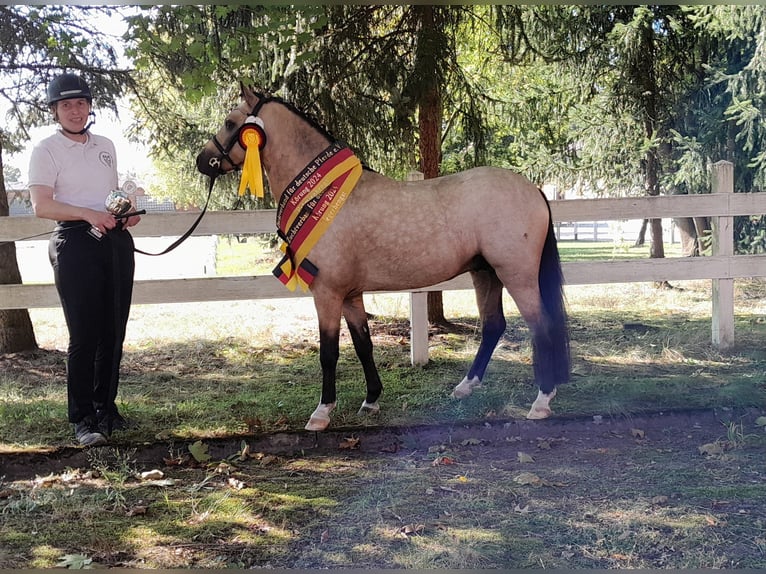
(131, 221)
(101, 220)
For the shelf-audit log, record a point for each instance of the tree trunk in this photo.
(429, 127)
(688, 233)
(16, 332)
(641, 239)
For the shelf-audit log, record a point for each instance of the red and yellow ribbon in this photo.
(308, 206)
(252, 138)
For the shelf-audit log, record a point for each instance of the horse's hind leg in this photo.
(328, 312)
(356, 319)
(529, 303)
(489, 298)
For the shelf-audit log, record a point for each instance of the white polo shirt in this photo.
(80, 174)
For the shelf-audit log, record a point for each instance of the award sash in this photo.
(308, 206)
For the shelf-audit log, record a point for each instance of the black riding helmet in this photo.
(67, 87)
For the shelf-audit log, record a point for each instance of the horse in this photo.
(393, 235)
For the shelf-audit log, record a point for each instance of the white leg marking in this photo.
(320, 418)
(541, 407)
(369, 408)
(466, 387)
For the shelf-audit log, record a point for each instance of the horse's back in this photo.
(404, 235)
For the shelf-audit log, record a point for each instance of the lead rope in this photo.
(167, 250)
(189, 231)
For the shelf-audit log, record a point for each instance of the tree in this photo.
(377, 74)
(39, 42)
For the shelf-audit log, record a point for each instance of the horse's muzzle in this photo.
(208, 164)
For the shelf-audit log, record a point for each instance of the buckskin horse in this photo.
(347, 229)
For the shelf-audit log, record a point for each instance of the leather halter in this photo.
(235, 139)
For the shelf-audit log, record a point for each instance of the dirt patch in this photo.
(583, 439)
(666, 490)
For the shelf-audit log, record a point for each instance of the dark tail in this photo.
(552, 358)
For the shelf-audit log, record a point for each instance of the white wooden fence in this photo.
(722, 268)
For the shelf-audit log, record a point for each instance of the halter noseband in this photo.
(251, 122)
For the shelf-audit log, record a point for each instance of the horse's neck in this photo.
(291, 144)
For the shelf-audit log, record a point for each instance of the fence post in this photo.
(723, 244)
(418, 313)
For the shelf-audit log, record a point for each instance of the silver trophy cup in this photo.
(118, 204)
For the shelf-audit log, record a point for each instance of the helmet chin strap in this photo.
(85, 129)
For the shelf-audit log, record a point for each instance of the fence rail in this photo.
(723, 267)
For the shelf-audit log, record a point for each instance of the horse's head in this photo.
(225, 151)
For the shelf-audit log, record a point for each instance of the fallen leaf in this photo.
(760, 421)
(244, 452)
(445, 460)
(392, 448)
(637, 433)
(412, 529)
(523, 457)
(349, 443)
(235, 483)
(325, 536)
(462, 479)
(519, 510)
(711, 520)
(199, 451)
(74, 562)
(711, 448)
(471, 442)
(161, 482)
(136, 511)
(659, 500)
(282, 421)
(152, 475)
(528, 478)
(253, 424)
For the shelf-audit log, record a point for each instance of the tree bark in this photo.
(16, 332)
(688, 233)
(429, 128)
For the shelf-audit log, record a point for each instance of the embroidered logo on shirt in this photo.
(106, 158)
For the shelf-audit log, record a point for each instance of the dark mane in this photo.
(310, 119)
(264, 97)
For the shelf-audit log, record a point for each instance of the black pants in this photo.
(94, 280)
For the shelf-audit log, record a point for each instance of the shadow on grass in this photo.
(228, 386)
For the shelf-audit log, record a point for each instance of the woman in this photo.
(70, 175)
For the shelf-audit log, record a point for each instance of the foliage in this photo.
(38, 43)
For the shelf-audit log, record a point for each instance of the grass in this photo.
(242, 378)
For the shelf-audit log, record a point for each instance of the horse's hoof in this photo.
(541, 407)
(539, 413)
(465, 388)
(320, 418)
(369, 408)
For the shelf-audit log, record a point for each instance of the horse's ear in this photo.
(247, 94)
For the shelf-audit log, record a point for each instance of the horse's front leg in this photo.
(356, 319)
(489, 298)
(328, 312)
